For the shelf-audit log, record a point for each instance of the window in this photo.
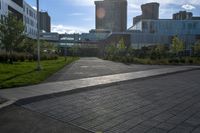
(27, 10)
(18, 2)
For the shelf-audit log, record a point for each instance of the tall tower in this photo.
(150, 11)
(45, 22)
(111, 15)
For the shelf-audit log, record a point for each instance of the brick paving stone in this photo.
(139, 129)
(182, 129)
(160, 104)
(197, 130)
(156, 130)
(166, 126)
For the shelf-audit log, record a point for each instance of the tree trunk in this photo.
(11, 57)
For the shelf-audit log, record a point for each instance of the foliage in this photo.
(159, 52)
(121, 45)
(24, 73)
(111, 50)
(11, 33)
(177, 45)
(28, 46)
(196, 49)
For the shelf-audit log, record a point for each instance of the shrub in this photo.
(29, 57)
(190, 61)
(183, 61)
(3, 57)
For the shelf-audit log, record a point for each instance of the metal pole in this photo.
(38, 37)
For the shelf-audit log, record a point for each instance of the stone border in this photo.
(79, 90)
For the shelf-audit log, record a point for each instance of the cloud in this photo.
(76, 14)
(67, 29)
(88, 19)
(34, 7)
(188, 7)
(137, 3)
(83, 2)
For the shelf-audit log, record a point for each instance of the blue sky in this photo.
(69, 16)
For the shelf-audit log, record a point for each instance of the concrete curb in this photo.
(7, 103)
(25, 101)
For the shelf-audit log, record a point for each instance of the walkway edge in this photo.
(78, 90)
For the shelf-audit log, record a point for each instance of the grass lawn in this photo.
(24, 73)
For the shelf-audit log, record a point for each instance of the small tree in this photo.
(11, 33)
(121, 44)
(111, 50)
(177, 45)
(28, 46)
(121, 47)
(159, 51)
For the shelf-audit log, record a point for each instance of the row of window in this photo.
(30, 12)
(29, 21)
(182, 25)
(31, 31)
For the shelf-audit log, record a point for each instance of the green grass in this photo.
(24, 73)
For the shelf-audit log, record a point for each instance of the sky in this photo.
(78, 16)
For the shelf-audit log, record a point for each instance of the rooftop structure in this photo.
(111, 15)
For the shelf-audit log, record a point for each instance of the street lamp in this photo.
(38, 38)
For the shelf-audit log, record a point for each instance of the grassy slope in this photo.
(23, 73)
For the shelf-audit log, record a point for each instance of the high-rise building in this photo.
(183, 15)
(150, 11)
(111, 15)
(45, 22)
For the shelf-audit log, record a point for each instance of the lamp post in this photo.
(38, 38)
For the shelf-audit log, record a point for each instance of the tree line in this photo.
(15, 45)
(176, 53)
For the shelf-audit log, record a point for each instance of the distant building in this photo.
(151, 32)
(95, 35)
(111, 15)
(52, 37)
(137, 19)
(23, 11)
(183, 15)
(45, 22)
(149, 11)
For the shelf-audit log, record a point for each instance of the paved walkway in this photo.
(94, 67)
(164, 104)
(80, 84)
(2, 100)
(15, 119)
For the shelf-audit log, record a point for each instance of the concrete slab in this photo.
(95, 67)
(81, 84)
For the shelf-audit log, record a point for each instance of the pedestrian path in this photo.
(81, 84)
